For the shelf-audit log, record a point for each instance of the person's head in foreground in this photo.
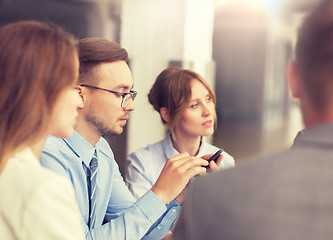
(38, 97)
(38, 74)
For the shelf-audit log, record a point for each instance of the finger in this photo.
(213, 166)
(179, 156)
(207, 156)
(219, 160)
(187, 162)
(177, 160)
(191, 172)
(193, 162)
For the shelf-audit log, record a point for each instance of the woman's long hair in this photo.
(37, 61)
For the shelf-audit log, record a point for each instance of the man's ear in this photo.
(82, 95)
(294, 80)
(165, 114)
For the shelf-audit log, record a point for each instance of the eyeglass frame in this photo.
(123, 96)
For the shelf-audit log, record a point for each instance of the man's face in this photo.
(102, 110)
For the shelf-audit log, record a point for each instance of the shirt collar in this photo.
(82, 148)
(171, 151)
(320, 134)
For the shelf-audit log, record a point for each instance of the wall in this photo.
(156, 32)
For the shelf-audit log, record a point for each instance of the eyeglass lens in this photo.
(126, 98)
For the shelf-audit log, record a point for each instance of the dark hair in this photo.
(36, 63)
(172, 89)
(95, 51)
(314, 55)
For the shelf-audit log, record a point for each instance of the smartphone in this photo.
(214, 157)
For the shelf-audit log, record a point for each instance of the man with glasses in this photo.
(108, 209)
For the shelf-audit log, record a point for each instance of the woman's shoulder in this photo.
(28, 175)
(154, 149)
(32, 183)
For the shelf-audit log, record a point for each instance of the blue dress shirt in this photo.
(145, 165)
(118, 214)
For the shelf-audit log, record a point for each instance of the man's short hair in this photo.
(95, 51)
(314, 55)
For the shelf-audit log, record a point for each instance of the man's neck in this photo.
(87, 132)
(312, 116)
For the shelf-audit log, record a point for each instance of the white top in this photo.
(145, 165)
(36, 203)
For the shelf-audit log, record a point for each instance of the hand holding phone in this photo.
(214, 157)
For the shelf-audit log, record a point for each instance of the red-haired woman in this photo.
(186, 104)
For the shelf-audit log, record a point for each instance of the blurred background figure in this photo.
(186, 104)
(38, 72)
(240, 47)
(283, 195)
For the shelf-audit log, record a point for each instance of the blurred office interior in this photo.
(241, 47)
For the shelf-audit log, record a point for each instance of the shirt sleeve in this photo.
(53, 211)
(184, 225)
(146, 218)
(139, 183)
(135, 222)
(136, 179)
(147, 213)
(179, 231)
(165, 224)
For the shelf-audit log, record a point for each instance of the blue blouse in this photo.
(145, 165)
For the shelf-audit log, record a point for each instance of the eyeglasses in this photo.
(125, 96)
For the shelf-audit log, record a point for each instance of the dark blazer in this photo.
(287, 195)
